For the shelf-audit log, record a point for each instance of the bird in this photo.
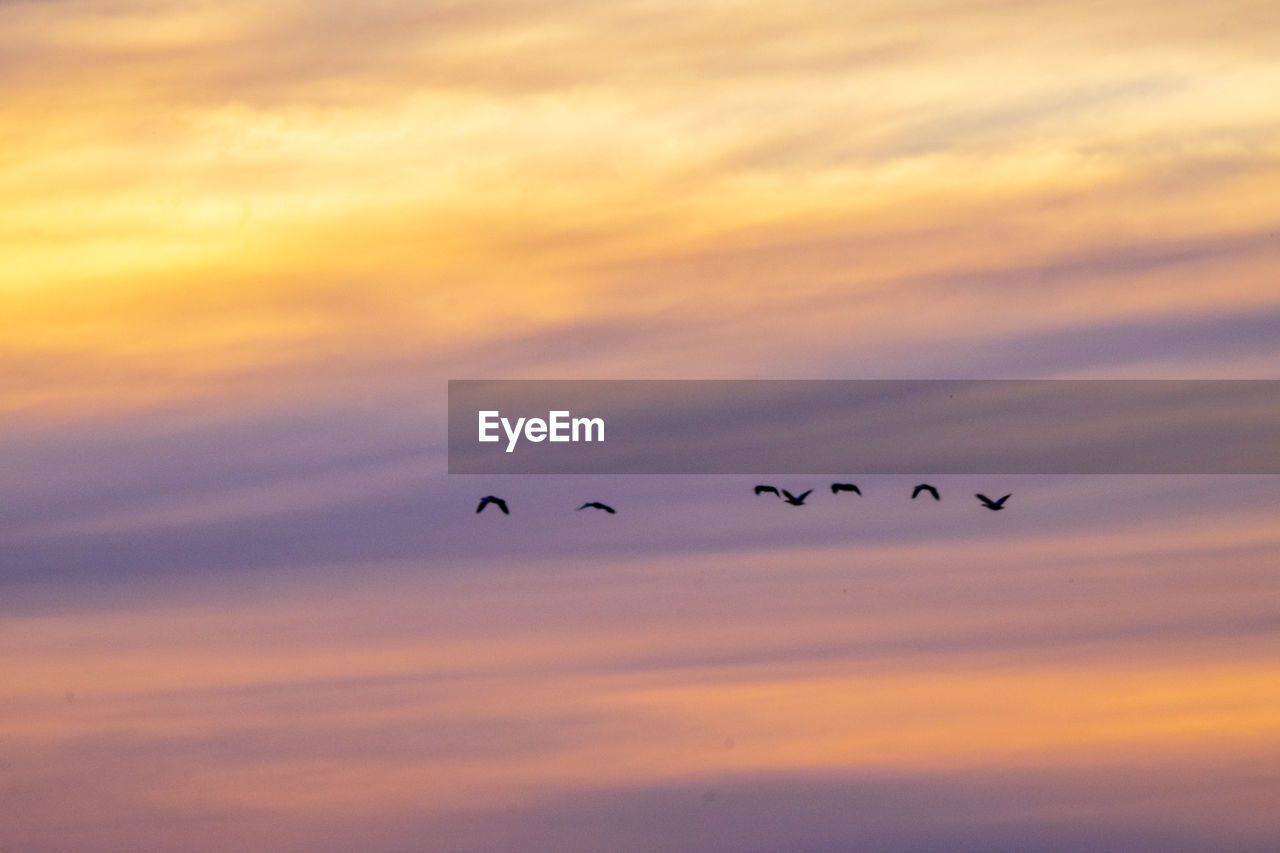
(599, 505)
(795, 500)
(844, 487)
(925, 487)
(498, 502)
(761, 489)
(990, 504)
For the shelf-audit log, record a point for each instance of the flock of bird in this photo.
(782, 494)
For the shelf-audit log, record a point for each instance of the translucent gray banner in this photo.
(864, 426)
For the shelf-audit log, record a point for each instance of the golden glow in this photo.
(180, 180)
(577, 698)
(222, 207)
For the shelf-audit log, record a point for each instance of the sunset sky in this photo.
(244, 246)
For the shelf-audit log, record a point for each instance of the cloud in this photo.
(699, 688)
(223, 201)
(246, 244)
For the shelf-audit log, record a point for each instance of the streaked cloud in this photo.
(394, 692)
(477, 172)
(245, 244)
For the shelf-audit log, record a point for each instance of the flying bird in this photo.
(795, 500)
(990, 504)
(836, 488)
(925, 487)
(498, 502)
(599, 505)
(761, 489)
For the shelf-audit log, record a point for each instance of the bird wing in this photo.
(917, 490)
(1005, 498)
(760, 489)
(584, 506)
(490, 499)
(607, 508)
(804, 495)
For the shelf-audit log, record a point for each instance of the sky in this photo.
(245, 246)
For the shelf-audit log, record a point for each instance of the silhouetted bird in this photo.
(498, 502)
(925, 487)
(761, 489)
(795, 500)
(599, 505)
(990, 504)
(844, 487)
